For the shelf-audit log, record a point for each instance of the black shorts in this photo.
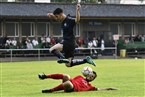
(70, 90)
(68, 48)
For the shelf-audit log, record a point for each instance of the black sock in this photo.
(78, 62)
(58, 54)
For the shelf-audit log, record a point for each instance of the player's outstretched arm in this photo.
(51, 16)
(77, 19)
(100, 89)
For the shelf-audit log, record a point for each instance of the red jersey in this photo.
(80, 84)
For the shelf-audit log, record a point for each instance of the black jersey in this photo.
(67, 29)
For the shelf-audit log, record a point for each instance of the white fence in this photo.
(42, 54)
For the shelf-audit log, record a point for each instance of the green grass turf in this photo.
(19, 79)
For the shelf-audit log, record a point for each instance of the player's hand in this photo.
(50, 15)
(78, 7)
(111, 89)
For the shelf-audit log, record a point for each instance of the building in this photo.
(132, 1)
(83, 1)
(125, 1)
(29, 19)
(39, 1)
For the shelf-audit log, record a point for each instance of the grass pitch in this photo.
(19, 79)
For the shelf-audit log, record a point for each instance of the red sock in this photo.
(57, 88)
(55, 76)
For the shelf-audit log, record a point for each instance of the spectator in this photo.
(48, 42)
(95, 42)
(19, 45)
(14, 42)
(80, 42)
(8, 43)
(58, 40)
(28, 43)
(102, 45)
(43, 40)
(137, 38)
(142, 38)
(35, 42)
(131, 39)
(53, 42)
(99, 42)
(90, 45)
(120, 45)
(1, 42)
(126, 40)
(4, 39)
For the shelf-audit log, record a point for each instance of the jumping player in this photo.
(76, 84)
(68, 43)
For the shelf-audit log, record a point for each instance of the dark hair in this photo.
(95, 73)
(57, 11)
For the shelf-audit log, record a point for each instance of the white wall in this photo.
(131, 2)
(42, 1)
(39, 1)
(113, 1)
(11, 0)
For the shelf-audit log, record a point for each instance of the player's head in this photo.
(58, 12)
(91, 76)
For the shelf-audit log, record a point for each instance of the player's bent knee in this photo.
(66, 77)
(68, 85)
(68, 65)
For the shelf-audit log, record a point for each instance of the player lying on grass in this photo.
(76, 84)
(68, 43)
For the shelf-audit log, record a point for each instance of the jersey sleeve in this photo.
(91, 87)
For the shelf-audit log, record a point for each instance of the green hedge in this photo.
(135, 45)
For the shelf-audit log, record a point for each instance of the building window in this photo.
(115, 28)
(42, 28)
(3, 0)
(0, 29)
(141, 29)
(128, 29)
(27, 29)
(77, 30)
(24, 0)
(57, 29)
(11, 29)
(113, 1)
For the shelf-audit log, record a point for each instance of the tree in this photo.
(89, 1)
(102, 1)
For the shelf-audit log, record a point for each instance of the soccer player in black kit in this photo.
(68, 43)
